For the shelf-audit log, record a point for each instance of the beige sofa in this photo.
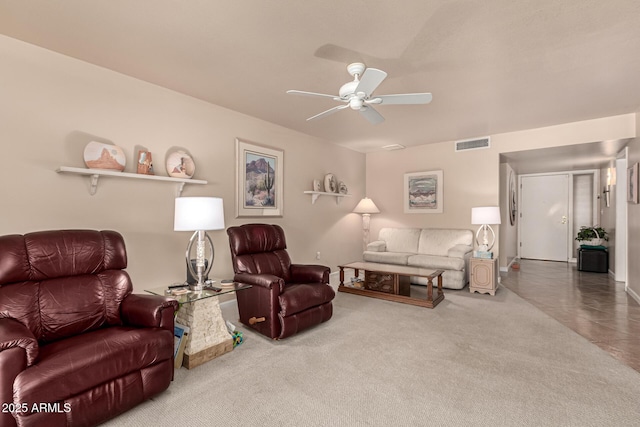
(438, 249)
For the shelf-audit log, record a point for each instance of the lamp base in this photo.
(196, 287)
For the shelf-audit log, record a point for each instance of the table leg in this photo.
(429, 289)
(341, 276)
(208, 337)
(440, 291)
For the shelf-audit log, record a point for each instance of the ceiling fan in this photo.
(358, 94)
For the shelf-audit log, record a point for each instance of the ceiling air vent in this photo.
(392, 147)
(473, 144)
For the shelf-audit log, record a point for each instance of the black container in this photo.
(593, 260)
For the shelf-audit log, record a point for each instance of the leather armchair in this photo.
(76, 346)
(284, 298)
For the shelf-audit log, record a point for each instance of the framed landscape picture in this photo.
(259, 180)
(423, 192)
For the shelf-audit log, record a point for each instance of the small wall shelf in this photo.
(316, 194)
(97, 173)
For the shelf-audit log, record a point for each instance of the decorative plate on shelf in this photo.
(342, 188)
(180, 164)
(330, 183)
(98, 155)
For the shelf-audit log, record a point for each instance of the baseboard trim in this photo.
(633, 294)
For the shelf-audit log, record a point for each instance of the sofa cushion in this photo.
(297, 298)
(387, 257)
(400, 239)
(104, 354)
(436, 262)
(434, 241)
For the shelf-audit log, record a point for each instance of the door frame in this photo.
(621, 232)
(570, 214)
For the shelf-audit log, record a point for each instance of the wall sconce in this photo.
(606, 195)
(611, 180)
(366, 207)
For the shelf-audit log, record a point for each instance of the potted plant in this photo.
(592, 236)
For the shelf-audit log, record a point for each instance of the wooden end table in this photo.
(391, 282)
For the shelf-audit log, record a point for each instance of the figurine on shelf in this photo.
(145, 165)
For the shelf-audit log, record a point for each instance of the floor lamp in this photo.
(366, 207)
(199, 214)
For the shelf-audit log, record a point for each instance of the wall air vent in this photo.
(473, 144)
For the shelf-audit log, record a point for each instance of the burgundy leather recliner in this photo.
(76, 346)
(284, 298)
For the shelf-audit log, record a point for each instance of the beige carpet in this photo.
(473, 360)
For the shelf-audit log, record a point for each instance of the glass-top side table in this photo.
(215, 290)
(208, 337)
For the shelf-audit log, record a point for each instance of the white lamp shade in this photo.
(366, 206)
(485, 215)
(198, 213)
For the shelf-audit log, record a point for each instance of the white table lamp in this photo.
(199, 214)
(366, 207)
(484, 216)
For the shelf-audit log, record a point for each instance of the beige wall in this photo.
(633, 223)
(508, 232)
(52, 106)
(474, 177)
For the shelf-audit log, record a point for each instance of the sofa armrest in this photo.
(309, 273)
(377, 246)
(14, 334)
(459, 251)
(150, 311)
(267, 281)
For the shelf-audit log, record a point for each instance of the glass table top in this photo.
(213, 289)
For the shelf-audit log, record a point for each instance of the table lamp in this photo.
(366, 207)
(484, 216)
(199, 214)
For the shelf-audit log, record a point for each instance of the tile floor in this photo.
(591, 304)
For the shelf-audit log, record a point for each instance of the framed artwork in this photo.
(423, 192)
(259, 180)
(513, 208)
(632, 184)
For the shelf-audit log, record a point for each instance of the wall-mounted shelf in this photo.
(316, 194)
(97, 173)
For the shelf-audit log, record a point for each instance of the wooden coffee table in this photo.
(391, 282)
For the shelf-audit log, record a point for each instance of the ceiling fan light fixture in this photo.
(355, 103)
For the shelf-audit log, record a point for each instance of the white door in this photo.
(544, 223)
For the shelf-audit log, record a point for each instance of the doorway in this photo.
(552, 207)
(544, 217)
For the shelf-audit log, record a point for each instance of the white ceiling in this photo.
(493, 66)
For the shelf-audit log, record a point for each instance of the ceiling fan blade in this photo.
(324, 95)
(370, 80)
(328, 112)
(371, 114)
(402, 98)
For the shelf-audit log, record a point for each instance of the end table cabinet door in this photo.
(482, 277)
